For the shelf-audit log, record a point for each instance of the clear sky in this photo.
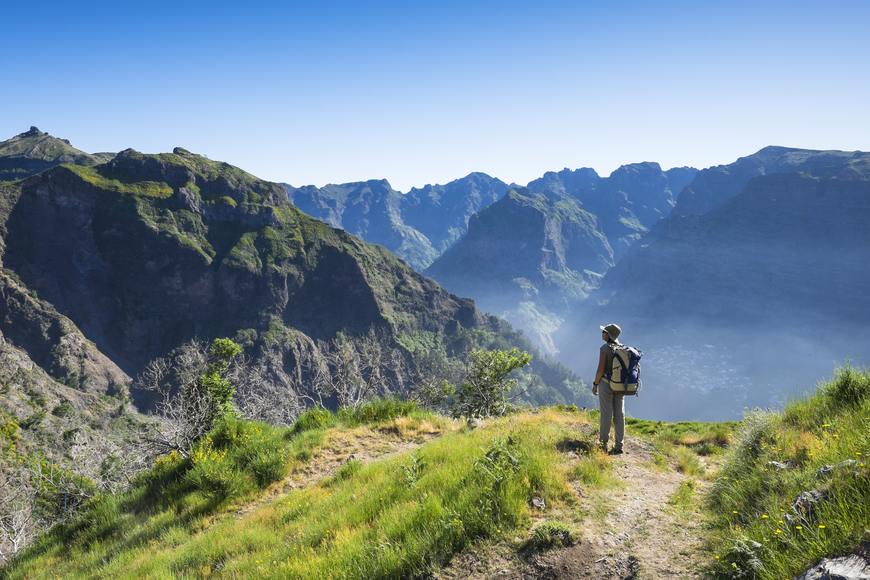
(421, 92)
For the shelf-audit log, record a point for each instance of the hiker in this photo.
(611, 404)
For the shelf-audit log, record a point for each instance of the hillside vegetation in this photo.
(389, 490)
(404, 515)
(796, 486)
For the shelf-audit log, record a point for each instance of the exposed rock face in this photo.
(526, 245)
(54, 343)
(715, 186)
(851, 567)
(786, 243)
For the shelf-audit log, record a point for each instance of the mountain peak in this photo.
(34, 151)
(32, 132)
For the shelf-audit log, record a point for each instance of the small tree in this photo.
(195, 391)
(486, 387)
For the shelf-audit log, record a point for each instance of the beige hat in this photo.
(612, 329)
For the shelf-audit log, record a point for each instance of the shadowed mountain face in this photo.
(536, 254)
(526, 255)
(441, 212)
(627, 203)
(33, 151)
(757, 281)
(417, 226)
(147, 251)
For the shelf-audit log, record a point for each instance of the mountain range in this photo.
(109, 264)
(417, 226)
(712, 268)
(754, 282)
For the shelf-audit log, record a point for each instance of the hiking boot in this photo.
(616, 450)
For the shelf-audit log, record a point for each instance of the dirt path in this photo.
(362, 444)
(642, 536)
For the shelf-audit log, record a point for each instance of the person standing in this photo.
(610, 404)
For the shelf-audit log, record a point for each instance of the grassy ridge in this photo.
(392, 518)
(180, 495)
(780, 456)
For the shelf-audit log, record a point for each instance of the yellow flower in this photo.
(764, 516)
(717, 556)
(799, 527)
(822, 526)
(734, 512)
(826, 424)
(778, 531)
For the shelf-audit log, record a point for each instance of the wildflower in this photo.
(826, 425)
(734, 512)
(717, 556)
(778, 531)
(822, 526)
(799, 527)
(764, 516)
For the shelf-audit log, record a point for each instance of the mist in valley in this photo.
(708, 373)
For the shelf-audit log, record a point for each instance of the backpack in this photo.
(624, 375)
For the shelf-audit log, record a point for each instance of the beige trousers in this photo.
(612, 407)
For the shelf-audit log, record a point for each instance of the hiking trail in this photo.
(641, 535)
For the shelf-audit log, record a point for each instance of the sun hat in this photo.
(612, 329)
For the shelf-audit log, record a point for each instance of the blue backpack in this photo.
(624, 375)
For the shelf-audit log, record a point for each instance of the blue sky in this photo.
(427, 92)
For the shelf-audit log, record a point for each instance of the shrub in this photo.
(213, 473)
(551, 535)
(378, 410)
(849, 388)
(317, 418)
(64, 409)
(486, 387)
(237, 457)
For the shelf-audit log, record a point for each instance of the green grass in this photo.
(93, 176)
(399, 517)
(594, 469)
(683, 442)
(684, 497)
(751, 498)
